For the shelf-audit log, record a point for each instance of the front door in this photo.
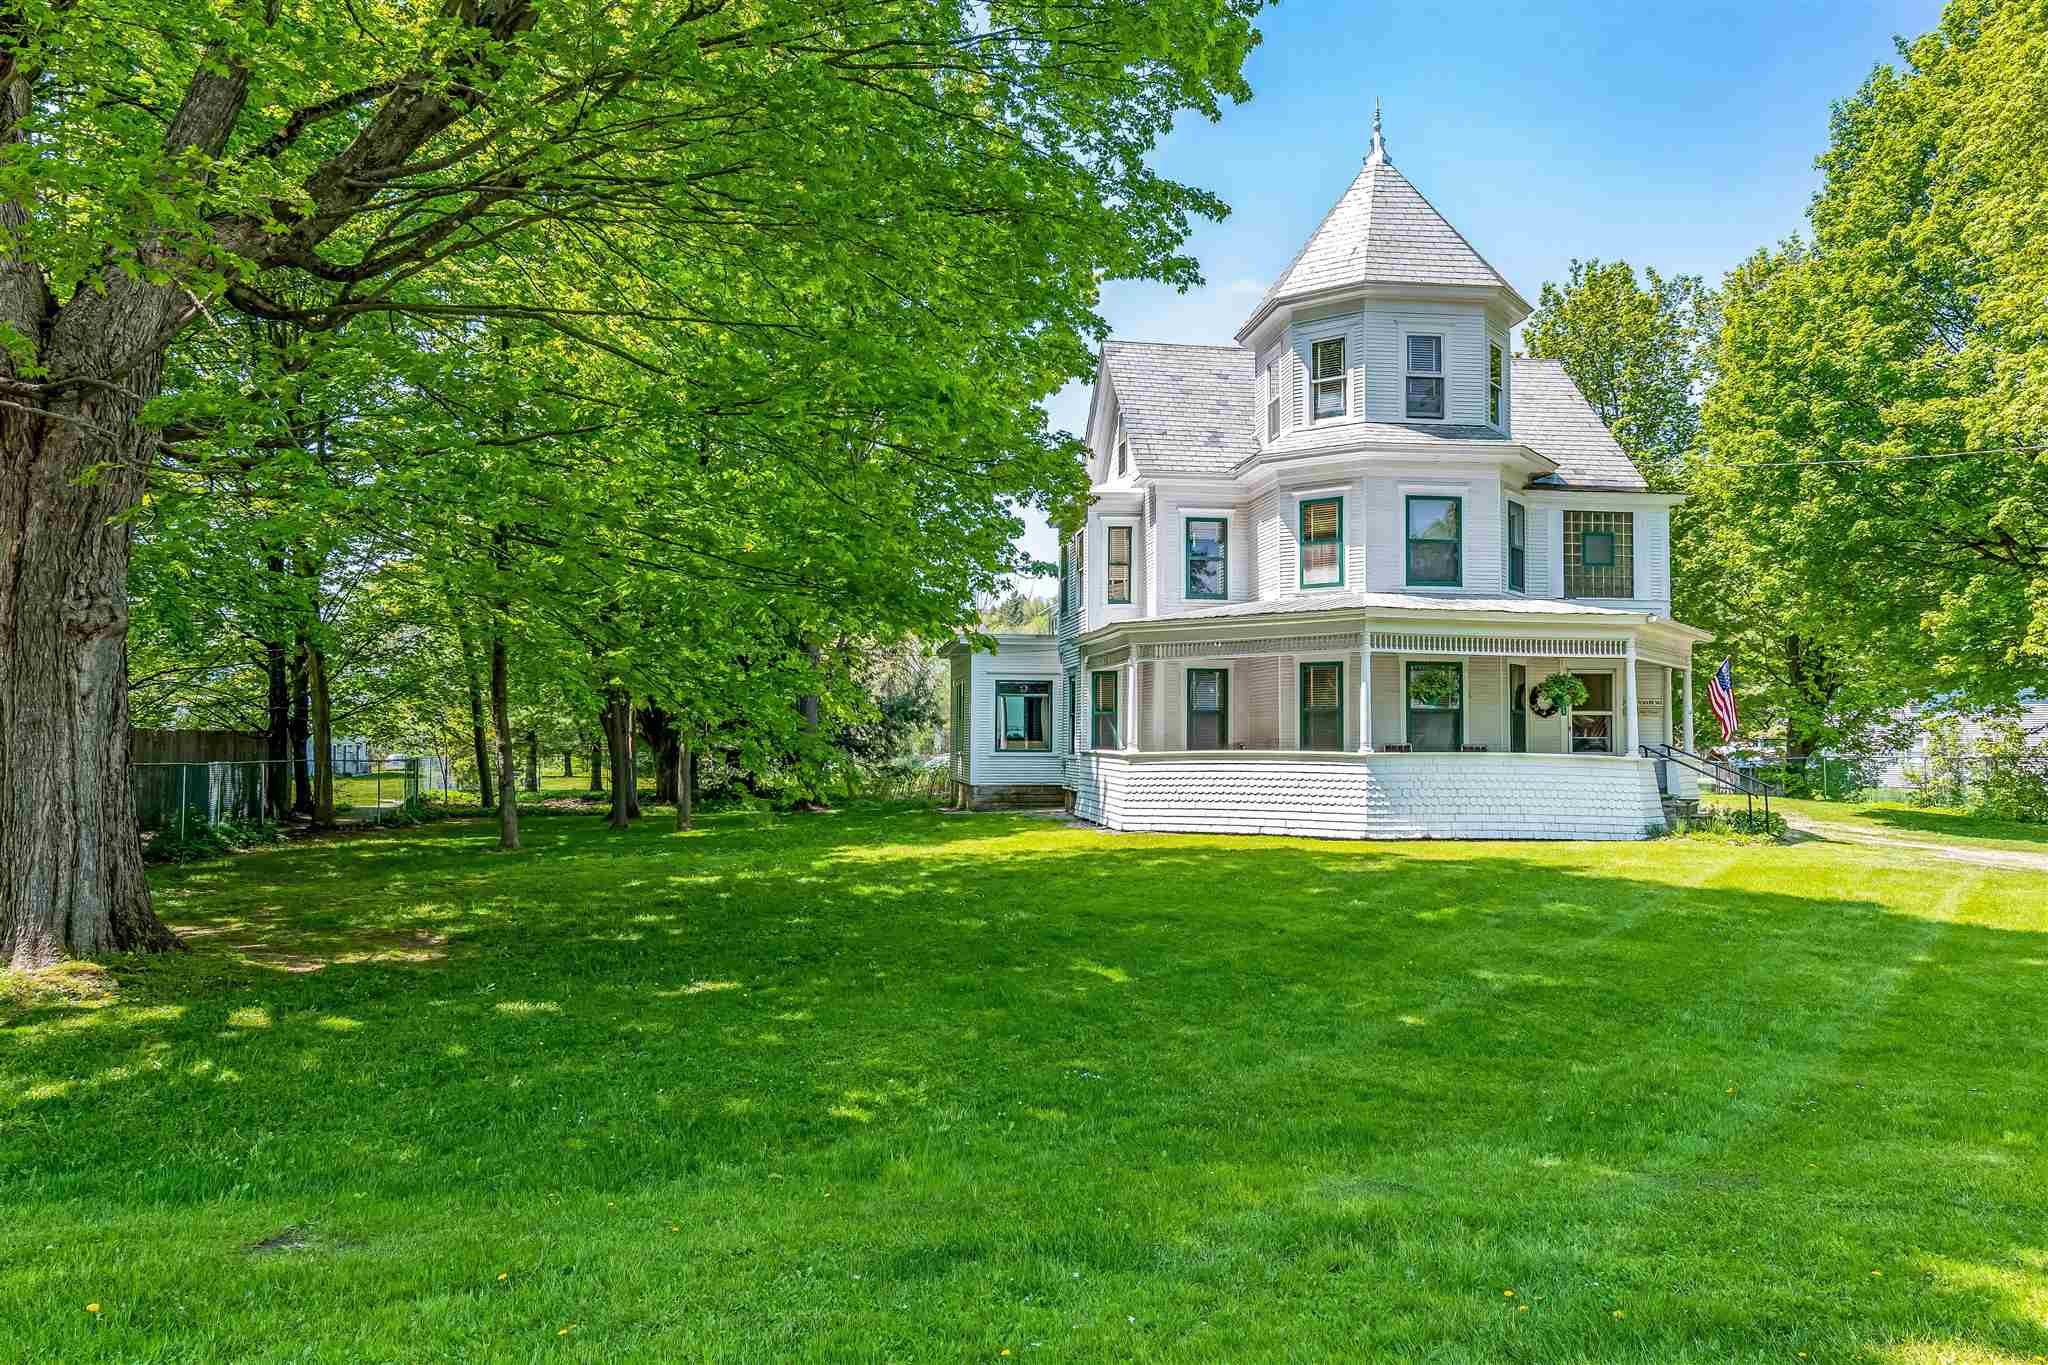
(1208, 708)
(1518, 709)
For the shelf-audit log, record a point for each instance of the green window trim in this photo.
(1110, 579)
(1222, 709)
(1518, 547)
(1409, 706)
(1301, 736)
(1335, 538)
(1221, 559)
(1073, 730)
(1456, 579)
(1101, 716)
(1596, 549)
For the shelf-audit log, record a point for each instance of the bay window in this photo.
(1208, 548)
(1322, 706)
(1436, 542)
(1102, 710)
(1425, 378)
(1436, 707)
(1322, 543)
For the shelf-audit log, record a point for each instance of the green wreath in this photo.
(1556, 692)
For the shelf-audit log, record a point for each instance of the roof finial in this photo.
(1379, 148)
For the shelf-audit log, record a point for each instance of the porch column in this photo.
(1633, 735)
(1688, 708)
(1365, 693)
(1130, 735)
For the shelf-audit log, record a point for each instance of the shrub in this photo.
(2011, 776)
(1733, 826)
(198, 840)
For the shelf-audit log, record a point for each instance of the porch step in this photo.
(1678, 808)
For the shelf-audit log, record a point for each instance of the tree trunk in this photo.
(615, 736)
(323, 738)
(508, 793)
(71, 880)
(485, 793)
(277, 792)
(632, 757)
(683, 783)
(302, 733)
(568, 763)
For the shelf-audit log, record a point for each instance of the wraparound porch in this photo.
(1370, 796)
(1389, 730)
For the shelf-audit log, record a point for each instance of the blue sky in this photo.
(1679, 136)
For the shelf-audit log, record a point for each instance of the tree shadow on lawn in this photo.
(1600, 1076)
(1953, 824)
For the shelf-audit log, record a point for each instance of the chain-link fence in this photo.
(182, 797)
(1898, 775)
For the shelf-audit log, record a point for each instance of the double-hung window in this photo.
(1208, 543)
(1023, 717)
(1273, 383)
(1496, 383)
(1425, 377)
(1065, 597)
(1322, 706)
(1102, 728)
(1327, 361)
(1436, 707)
(1118, 580)
(1593, 723)
(1208, 708)
(1518, 548)
(1322, 543)
(1436, 542)
(1599, 554)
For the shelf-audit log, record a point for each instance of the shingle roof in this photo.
(1381, 231)
(1186, 409)
(1552, 418)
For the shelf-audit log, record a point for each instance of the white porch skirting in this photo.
(1370, 796)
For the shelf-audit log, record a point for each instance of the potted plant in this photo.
(1559, 691)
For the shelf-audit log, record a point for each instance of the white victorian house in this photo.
(1325, 569)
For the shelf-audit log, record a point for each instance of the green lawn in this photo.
(1920, 824)
(889, 1084)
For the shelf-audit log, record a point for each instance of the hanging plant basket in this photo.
(1555, 693)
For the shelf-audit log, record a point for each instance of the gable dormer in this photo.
(1387, 314)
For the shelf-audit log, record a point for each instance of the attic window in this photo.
(1328, 358)
(1425, 378)
(1123, 450)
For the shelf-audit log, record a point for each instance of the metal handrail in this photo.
(1747, 784)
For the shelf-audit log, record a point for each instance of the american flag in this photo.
(1721, 696)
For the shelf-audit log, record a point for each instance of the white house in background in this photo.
(1325, 568)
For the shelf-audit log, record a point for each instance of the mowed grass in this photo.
(892, 1085)
(1916, 824)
